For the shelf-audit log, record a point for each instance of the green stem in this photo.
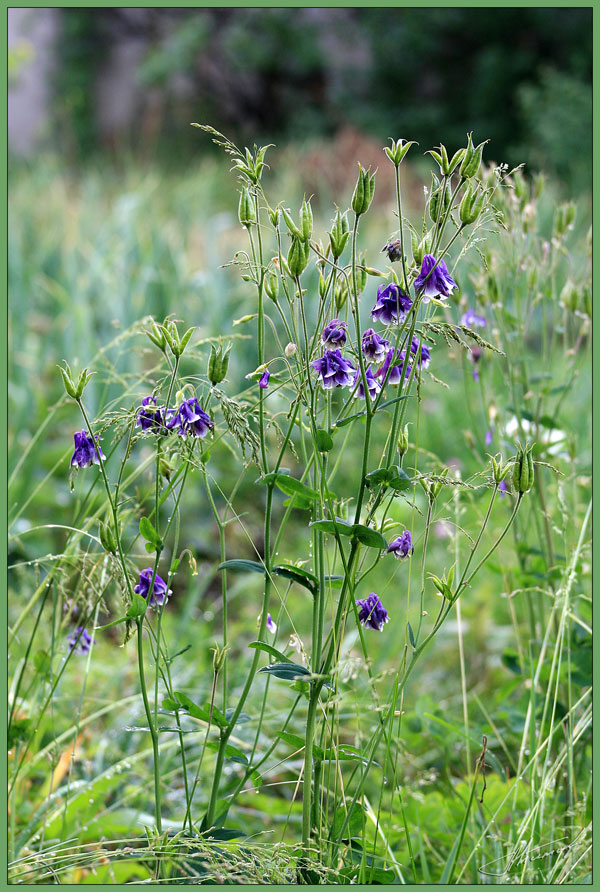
(153, 732)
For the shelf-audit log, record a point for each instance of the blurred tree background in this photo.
(129, 80)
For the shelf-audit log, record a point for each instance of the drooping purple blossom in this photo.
(80, 641)
(422, 353)
(471, 320)
(271, 624)
(373, 386)
(335, 371)
(334, 334)
(502, 488)
(399, 369)
(392, 304)
(151, 418)
(160, 593)
(191, 418)
(264, 379)
(87, 452)
(401, 547)
(374, 346)
(372, 614)
(434, 280)
(393, 250)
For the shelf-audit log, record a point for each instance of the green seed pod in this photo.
(107, 537)
(306, 220)
(363, 191)
(218, 363)
(297, 258)
(586, 301)
(339, 235)
(472, 158)
(341, 295)
(470, 206)
(293, 229)
(403, 441)
(569, 296)
(361, 275)
(272, 285)
(246, 210)
(523, 473)
(499, 470)
(398, 150)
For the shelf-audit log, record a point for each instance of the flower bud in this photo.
(523, 474)
(290, 349)
(363, 191)
(339, 235)
(246, 209)
(443, 585)
(472, 159)
(298, 255)
(218, 363)
(361, 275)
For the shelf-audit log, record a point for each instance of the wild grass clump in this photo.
(331, 625)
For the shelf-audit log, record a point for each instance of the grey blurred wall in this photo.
(33, 47)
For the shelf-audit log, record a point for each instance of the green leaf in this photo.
(292, 487)
(242, 717)
(354, 826)
(137, 608)
(200, 712)
(147, 532)
(339, 526)
(286, 671)
(297, 574)
(324, 441)
(299, 743)
(399, 479)
(510, 659)
(411, 637)
(243, 565)
(268, 648)
(366, 535)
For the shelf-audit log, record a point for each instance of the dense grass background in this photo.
(92, 253)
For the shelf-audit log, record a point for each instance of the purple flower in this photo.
(422, 353)
(334, 334)
(373, 386)
(401, 547)
(192, 419)
(398, 371)
(80, 641)
(502, 488)
(372, 613)
(149, 418)
(374, 346)
(271, 624)
(393, 250)
(335, 371)
(86, 453)
(475, 354)
(488, 437)
(472, 320)
(392, 304)
(434, 280)
(264, 379)
(160, 593)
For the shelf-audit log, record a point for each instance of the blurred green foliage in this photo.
(520, 76)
